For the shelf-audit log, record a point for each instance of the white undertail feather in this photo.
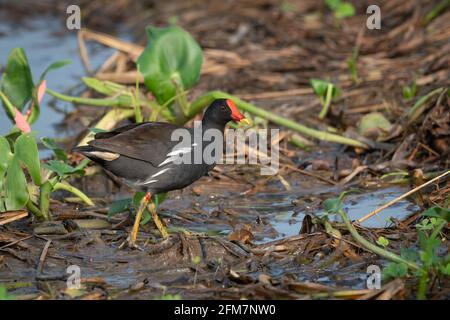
(107, 156)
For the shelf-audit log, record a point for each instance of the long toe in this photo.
(131, 243)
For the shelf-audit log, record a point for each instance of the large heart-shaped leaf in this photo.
(171, 59)
(17, 82)
(25, 150)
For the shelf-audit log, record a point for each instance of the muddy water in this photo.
(276, 215)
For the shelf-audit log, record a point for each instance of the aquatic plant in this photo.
(341, 9)
(423, 263)
(18, 149)
(326, 91)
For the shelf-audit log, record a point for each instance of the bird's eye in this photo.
(223, 108)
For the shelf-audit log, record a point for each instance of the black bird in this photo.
(146, 156)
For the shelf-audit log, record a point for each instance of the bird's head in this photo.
(222, 111)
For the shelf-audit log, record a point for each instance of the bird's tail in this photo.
(83, 149)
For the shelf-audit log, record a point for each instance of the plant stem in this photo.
(120, 101)
(375, 249)
(35, 210)
(75, 191)
(436, 10)
(123, 101)
(418, 107)
(44, 199)
(137, 103)
(181, 97)
(204, 100)
(327, 102)
(422, 287)
(9, 106)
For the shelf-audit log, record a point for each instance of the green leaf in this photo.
(51, 144)
(333, 205)
(54, 66)
(159, 198)
(320, 87)
(333, 4)
(344, 10)
(17, 81)
(5, 158)
(107, 88)
(16, 192)
(395, 270)
(62, 169)
(438, 212)
(4, 294)
(5, 155)
(407, 93)
(97, 130)
(26, 150)
(445, 269)
(172, 58)
(196, 259)
(382, 241)
(409, 254)
(119, 206)
(374, 124)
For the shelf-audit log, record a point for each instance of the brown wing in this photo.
(109, 134)
(149, 142)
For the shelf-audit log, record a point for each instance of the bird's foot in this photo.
(130, 243)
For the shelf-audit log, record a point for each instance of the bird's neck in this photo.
(213, 125)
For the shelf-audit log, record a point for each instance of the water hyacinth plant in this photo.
(24, 182)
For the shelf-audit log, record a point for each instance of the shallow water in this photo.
(356, 206)
(281, 214)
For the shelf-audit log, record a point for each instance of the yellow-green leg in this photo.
(137, 221)
(157, 221)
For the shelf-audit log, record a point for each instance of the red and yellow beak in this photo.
(235, 114)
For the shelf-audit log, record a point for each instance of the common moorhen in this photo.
(143, 156)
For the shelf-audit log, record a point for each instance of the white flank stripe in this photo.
(160, 172)
(151, 180)
(173, 155)
(170, 159)
(179, 151)
(145, 182)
